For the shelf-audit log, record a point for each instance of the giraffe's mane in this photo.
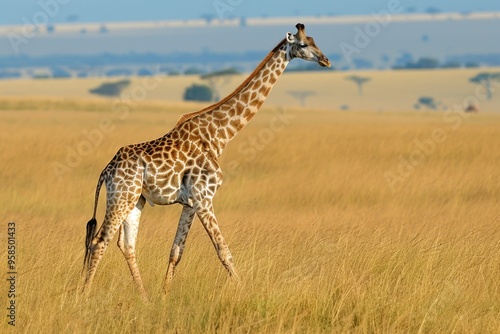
(189, 116)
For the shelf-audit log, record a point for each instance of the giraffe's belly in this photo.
(161, 196)
(163, 189)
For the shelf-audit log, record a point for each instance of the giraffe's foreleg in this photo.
(127, 241)
(185, 222)
(209, 222)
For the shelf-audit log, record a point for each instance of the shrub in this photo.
(110, 88)
(427, 102)
(198, 92)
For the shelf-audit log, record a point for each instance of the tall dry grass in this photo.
(321, 241)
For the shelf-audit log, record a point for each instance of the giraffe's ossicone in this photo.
(182, 167)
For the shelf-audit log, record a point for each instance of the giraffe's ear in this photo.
(290, 38)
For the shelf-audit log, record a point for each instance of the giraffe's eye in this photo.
(302, 45)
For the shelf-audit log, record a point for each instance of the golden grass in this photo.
(321, 241)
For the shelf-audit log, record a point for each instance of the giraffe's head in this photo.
(302, 46)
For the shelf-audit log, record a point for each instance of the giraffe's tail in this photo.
(92, 224)
(91, 227)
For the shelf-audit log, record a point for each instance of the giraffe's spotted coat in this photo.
(182, 167)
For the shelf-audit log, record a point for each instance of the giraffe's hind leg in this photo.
(117, 210)
(127, 240)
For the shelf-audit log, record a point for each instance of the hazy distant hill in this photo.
(373, 41)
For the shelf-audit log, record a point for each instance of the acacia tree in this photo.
(197, 92)
(301, 95)
(487, 80)
(111, 88)
(359, 81)
(427, 102)
(216, 80)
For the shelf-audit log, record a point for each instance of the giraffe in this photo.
(182, 167)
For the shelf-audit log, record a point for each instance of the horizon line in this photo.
(97, 27)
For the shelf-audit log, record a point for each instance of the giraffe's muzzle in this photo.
(324, 61)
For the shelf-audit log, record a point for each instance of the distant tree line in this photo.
(9, 74)
(432, 63)
(112, 65)
(128, 59)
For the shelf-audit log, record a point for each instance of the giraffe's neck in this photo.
(219, 123)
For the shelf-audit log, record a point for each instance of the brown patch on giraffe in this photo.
(230, 131)
(152, 167)
(178, 167)
(254, 103)
(195, 170)
(245, 96)
(235, 123)
(124, 155)
(221, 133)
(265, 90)
(157, 156)
(185, 146)
(256, 85)
(273, 78)
(182, 156)
(184, 136)
(254, 95)
(239, 108)
(248, 113)
(200, 161)
(203, 122)
(259, 104)
(120, 173)
(219, 115)
(187, 127)
(224, 122)
(163, 169)
(212, 130)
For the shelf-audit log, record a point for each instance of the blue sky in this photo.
(18, 11)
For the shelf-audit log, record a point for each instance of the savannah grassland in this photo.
(321, 240)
